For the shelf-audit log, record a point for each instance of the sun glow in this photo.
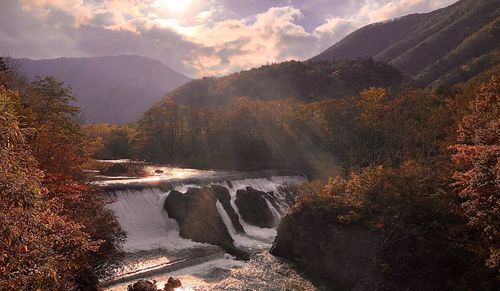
(173, 5)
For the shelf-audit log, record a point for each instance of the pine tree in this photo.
(4, 68)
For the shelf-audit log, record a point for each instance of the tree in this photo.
(477, 154)
(59, 144)
(4, 68)
(39, 249)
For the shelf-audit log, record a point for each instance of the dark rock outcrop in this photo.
(172, 284)
(253, 208)
(143, 285)
(198, 218)
(225, 199)
(343, 255)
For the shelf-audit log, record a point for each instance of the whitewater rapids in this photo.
(154, 246)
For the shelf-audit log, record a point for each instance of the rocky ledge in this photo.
(344, 256)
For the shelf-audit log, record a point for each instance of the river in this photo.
(155, 250)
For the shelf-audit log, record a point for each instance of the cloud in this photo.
(210, 37)
(375, 11)
(240, 44)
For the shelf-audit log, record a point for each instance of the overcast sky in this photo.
(195, 37)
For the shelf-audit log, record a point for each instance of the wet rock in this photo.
(253, 208)
(199, 220)
(143, 285)
(172, 284)
(343, 255)
(177, 206)
(224, 197)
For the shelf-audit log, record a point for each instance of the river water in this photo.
(155, 251)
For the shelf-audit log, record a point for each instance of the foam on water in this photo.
(274, 211)
(262, 184)
(183, 188)
(148, 227)
(240, 240)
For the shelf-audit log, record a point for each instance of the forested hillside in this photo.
(446, 46)
(297, 80)
(212, 123)
(108, 89)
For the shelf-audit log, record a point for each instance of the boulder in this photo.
(253, 208)
(224, 197)
(143, 285)
(172, 284)
(199, 220)
(343, 255)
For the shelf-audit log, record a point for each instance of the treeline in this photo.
(373, 127)
(54, 230)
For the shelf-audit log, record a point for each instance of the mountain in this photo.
(298, 80)
(448, 45)
(115, 89)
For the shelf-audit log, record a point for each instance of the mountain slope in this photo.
(114, 89)
(299, 80)
(428, 46)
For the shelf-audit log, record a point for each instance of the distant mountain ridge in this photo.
(448, 45)
(114, 89)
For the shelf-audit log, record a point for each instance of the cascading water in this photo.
(148, 227)
(150, 231)
(265, 185)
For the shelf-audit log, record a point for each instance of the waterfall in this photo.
(148, 227)
(265, 185)
(153, 243)
(274, 211)
(141, 215)
(255, 236)
(227, 221)
(241, 240)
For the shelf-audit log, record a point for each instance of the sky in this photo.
(195, 37)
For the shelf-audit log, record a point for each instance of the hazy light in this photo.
(173, 5)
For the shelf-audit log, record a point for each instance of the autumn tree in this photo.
(477, 154)
(61, 150)
(112, 141)
(39, 249)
